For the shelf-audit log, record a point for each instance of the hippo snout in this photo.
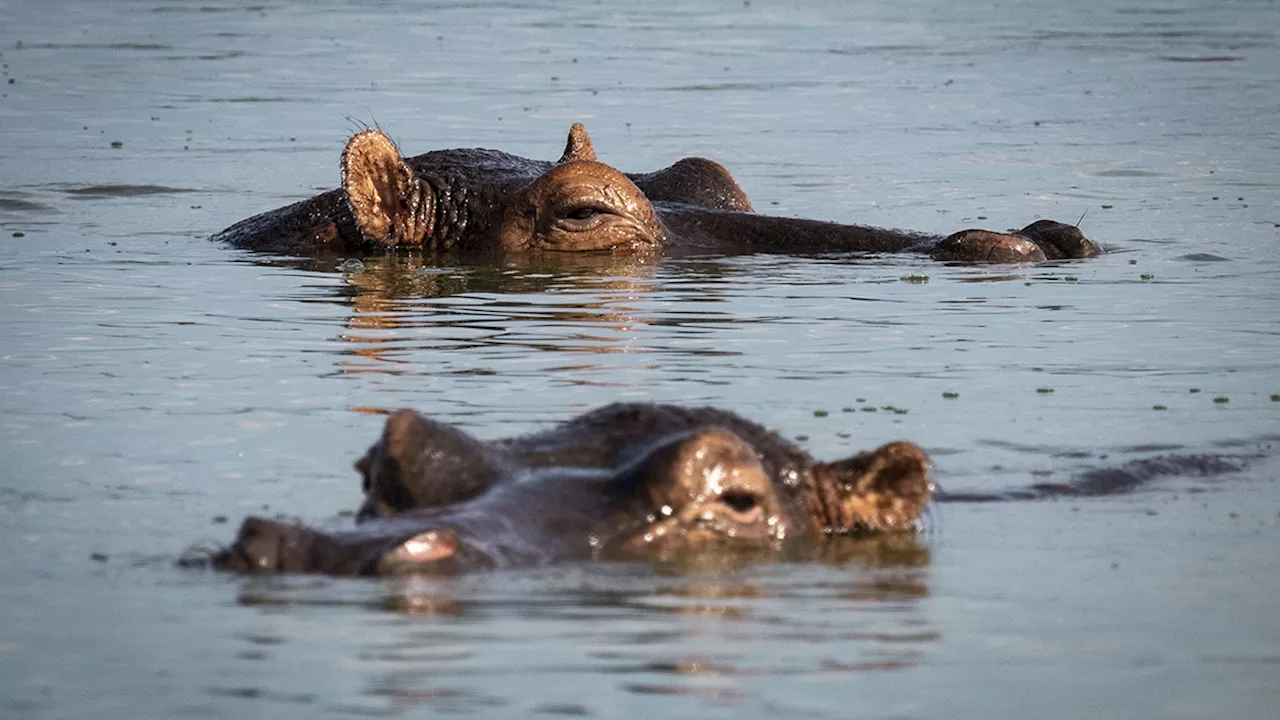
(264, 546)
(272, 546)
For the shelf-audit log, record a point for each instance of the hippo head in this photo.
(695, 490)
(488, 202)
(574, 204)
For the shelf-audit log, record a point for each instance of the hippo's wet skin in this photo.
(624, 481)
(490, 202)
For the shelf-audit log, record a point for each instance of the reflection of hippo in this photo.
(624, 481)
(486, 201)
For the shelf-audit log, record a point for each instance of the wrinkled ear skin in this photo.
(578, 146)
(419, 463)
(885, 489)
(388, 202)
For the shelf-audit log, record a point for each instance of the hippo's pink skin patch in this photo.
(421, 549)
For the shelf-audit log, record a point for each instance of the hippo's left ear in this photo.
(390, 204)
(885, 489)
(578, 147)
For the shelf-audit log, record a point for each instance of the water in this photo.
(156, 388)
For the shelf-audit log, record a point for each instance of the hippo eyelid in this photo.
(583, 213)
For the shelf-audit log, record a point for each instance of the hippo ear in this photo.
(885, 489)
(420, 463)
(389, 203)
(578, 146)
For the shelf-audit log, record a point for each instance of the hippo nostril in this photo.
(739, 502)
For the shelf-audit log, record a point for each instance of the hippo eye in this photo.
(584, 213)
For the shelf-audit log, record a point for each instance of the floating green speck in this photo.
(1195, 390)
(1222, 400)
(849, 409)
(1159, 407)
(1147, 276)
(820, 413)
(802, 438)
(950, 395)
(915, 279)
(1044, 391)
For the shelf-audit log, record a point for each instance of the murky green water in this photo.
(152, 383)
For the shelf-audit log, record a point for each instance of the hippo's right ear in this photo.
(884, 489)
(389, 203)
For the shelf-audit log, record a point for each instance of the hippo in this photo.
(479, 202)
(626, 481)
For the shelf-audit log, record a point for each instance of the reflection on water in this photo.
(403, 303)
(706, 633)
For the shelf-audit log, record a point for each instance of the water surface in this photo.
(155, 388)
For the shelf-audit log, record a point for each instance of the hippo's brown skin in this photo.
(486, 201)
(624, 481)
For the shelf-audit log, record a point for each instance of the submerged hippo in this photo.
(490, 202)
(624, 481)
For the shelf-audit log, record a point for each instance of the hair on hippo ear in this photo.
(578, 147)
(885, 489)
(390, 205)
